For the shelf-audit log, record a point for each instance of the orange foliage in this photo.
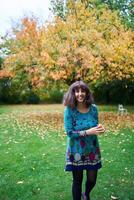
(91, 45)
(94, 49)
(6, 74)
(111, 121)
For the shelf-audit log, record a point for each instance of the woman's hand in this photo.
(98, 130)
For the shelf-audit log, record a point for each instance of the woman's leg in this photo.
(77, 184)
(91, 181)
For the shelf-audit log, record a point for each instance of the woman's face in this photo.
(80, 95)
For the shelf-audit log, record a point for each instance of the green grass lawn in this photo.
(33, 157)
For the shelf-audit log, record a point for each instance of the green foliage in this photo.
(125, 8)
(56, 96)
(58, 8)
(115, 92)
(32, 98)
(14, 92)
(1, 61)
(51, 95)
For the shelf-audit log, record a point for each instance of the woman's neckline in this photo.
(89, 109)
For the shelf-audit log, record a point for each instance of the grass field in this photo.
(32, 149)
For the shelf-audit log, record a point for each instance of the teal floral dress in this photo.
(82, 152)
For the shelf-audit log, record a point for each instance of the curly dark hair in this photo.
(69, 98)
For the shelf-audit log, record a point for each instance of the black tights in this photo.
(77, 183)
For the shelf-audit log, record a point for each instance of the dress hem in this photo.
(86, 167)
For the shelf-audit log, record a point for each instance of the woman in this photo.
(82, 128)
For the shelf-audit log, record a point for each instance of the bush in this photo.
(33, 98)
(56, 96)
(115, 92)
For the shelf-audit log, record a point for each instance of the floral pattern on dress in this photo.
(82, 152)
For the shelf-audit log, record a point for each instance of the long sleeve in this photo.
(68, 124)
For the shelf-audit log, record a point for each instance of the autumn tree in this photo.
(91, 45)
(20, 61)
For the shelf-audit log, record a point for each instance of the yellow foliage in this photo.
(91, 45)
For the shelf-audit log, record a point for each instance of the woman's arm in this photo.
(68, 125)
(97, 130)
